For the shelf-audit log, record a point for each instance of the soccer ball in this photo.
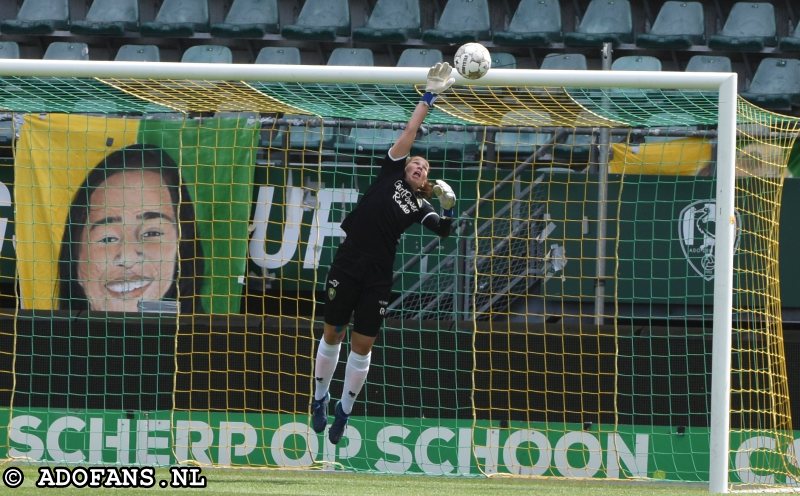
(472, 60)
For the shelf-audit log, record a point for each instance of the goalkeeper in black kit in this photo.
(359, 281)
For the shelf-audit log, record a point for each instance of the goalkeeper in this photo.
(360, 278)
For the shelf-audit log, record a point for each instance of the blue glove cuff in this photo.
(447, 212)
(428, 98)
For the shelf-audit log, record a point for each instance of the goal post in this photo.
(545, 338)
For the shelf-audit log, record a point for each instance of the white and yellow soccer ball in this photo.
(472, 60)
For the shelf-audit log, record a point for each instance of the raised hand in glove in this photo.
(438, 81)
(446, 195)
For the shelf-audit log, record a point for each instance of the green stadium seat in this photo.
(278, 55)
(709, 63)
(108, 18)
(791, 42)
(535, 23)
(750, 26)
(604, 21)
(636, 63)
(391, 21)
(504, 60)
(248, 19)
(419, 57)
(461, 21)
(320, 20)
(178, 18)
(209, 54)
(516, 143)
(558, 61)
(372, 140)
(351, 56)
(38, 17)
(9, 50)
(775, 85)
(678, 26)
(138, 53)
(309, 138)
(575, 149)
(66, 50)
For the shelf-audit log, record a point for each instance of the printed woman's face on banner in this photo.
(129, 247)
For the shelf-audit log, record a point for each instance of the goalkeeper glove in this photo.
(447, 198)
(438, 81)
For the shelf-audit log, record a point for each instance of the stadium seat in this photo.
(9, 50)
(678, 26)
(108, 18)
(351, 56)
(515, 143)
(750, 26)
(66, 50)
(38, 17)
(776, 84)
(248, 19)
(604, 21)
(309, 138)
(791, 42)
(559, 61)
(210, 54)
(372, 140)
(461, 21)
(178, 18)
(320, 20)
(278, 55)
(636, 63)
(447, 145)
(138, 53)
(419, 57)
(535, 23)
(391, 21)
(709, 63)
(504, 60)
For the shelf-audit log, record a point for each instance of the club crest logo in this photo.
(696, 231)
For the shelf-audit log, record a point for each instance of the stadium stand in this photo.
(320, 20)
(678, 26)
(776, 84)
(535, 23)
(278, 55)
(248, 19)
(9, 50)
(604, 21)
(709, 63)
(67, 50)
(391, 21)
(108, 18)
(419, 57)
(351, 56)
(461, 21)
(517, 143)
(564, 61)
(138, 53)
(792, 41)
(38, 17)
(210, 54)
(366, 140)
(750, 26)
(636, 63)
(178, 19)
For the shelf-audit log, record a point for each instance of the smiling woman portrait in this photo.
(129, 242)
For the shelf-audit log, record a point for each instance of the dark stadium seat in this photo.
(516, 143)
(248, 19)
(791, 42)
(320, 20)
(178, 18)
(750, 26)
(369, 140)
(9, 50)
(351, 56)
(636, 63)
(38, 17)
(604, 21)
(138, 53)
(678, 26)
(212, 54)
(66, 50)
(108, 18)
(709, 63)
(391, 21)
(535, 23)
(461, 21)
(419, 57)
(776, 84)
(278, 55)
(564, 61)
(309, 138)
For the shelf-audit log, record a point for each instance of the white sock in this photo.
(324, 367)
(354, 377)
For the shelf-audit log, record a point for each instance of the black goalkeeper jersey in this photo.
(386, 210)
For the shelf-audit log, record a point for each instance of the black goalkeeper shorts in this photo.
(357, 287)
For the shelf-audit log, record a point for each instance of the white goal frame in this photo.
(725, 84)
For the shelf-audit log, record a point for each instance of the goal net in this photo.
(609, 306)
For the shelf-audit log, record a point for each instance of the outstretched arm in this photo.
(438, 81)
